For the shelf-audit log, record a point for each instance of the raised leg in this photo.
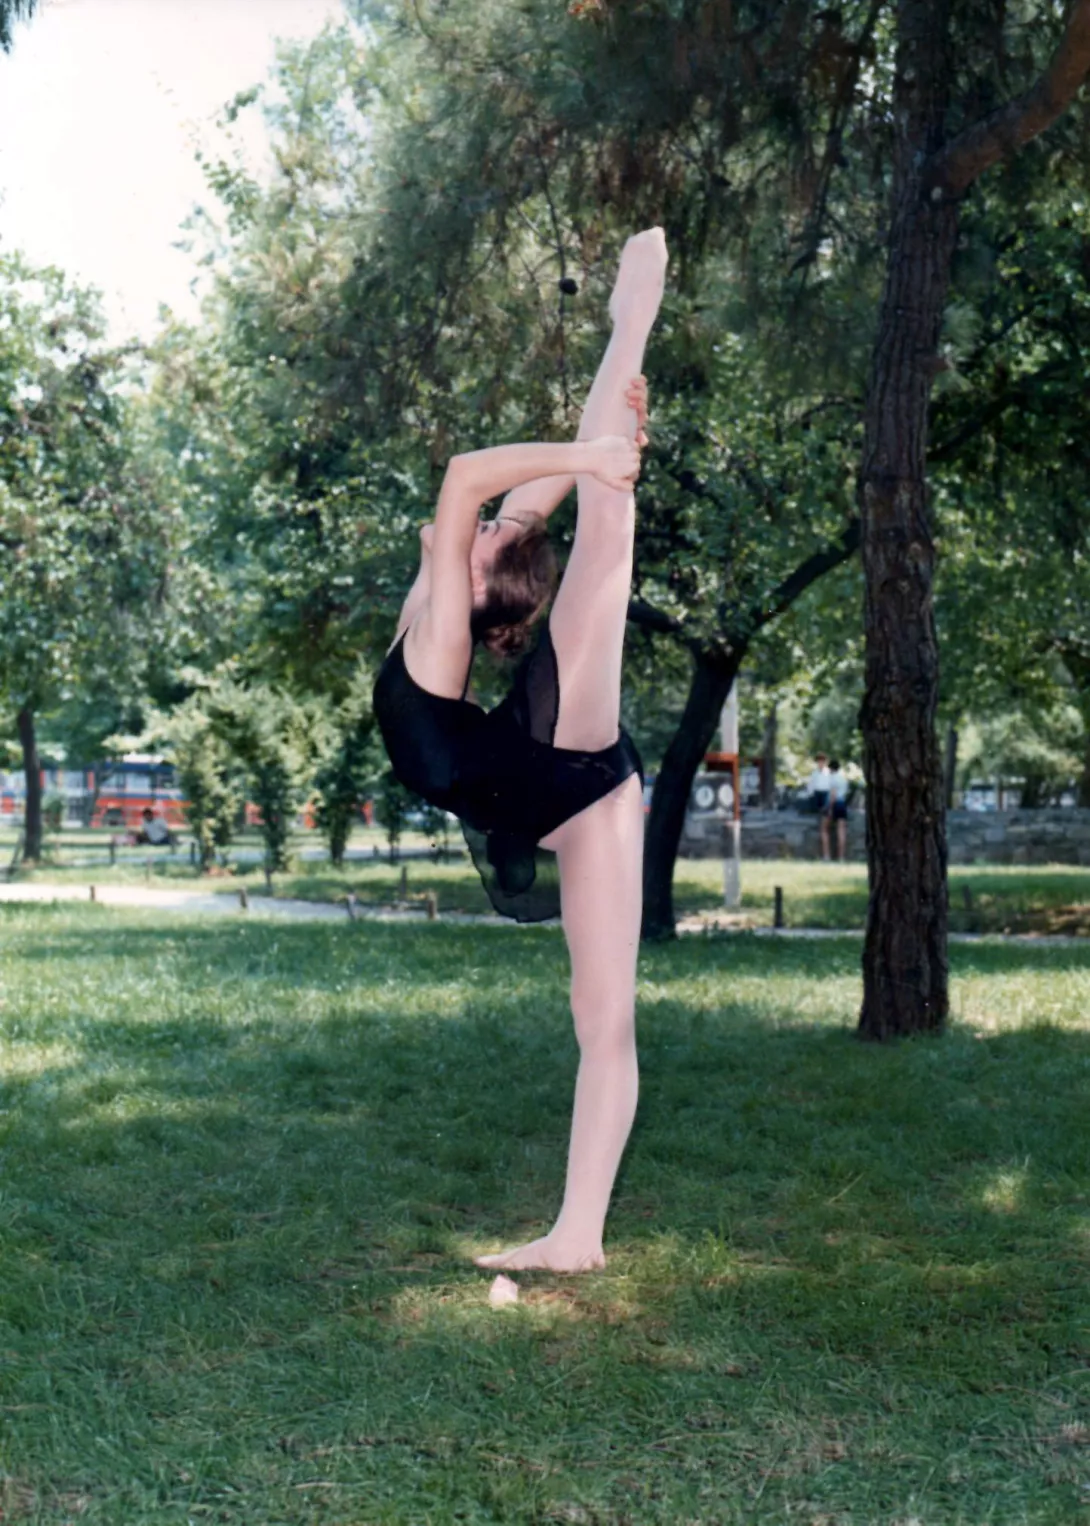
(588, 617)
(600, 854)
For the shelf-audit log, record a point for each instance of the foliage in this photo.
(436, 279)
(269, 735)
(393, 802)
(1042, 750)
(85, 544)
(207, 778)
(346, 777)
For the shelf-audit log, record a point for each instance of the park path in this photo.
(219, 903)
(229, 903)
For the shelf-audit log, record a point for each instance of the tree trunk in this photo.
(768, 760)
(712, 680)
(32, 769)
(904, 957)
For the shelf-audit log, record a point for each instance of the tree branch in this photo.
(807, 572)
(997, 136)
(1021, 392)
(834, 139)
(651, 619)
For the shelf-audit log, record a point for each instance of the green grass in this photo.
(244, 1165)
(1018, 899)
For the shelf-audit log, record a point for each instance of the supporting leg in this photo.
(600, 853)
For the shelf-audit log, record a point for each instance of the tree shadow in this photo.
(249, 1155)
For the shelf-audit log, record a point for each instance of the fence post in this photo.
(777, 908)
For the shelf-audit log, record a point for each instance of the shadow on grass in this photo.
(246, 1167)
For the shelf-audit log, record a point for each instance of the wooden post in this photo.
(431, 905)
(777, 906)
(243, 899)
(404, 891)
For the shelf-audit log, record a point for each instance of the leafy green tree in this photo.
(346, 777)
(393, 802)
(207, 777)
(439, 280)
(84, 544)
(268, 735)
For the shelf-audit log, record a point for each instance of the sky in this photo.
(102, 103)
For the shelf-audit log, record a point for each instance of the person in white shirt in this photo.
(817, 797)
(836, 810)
(153, 831)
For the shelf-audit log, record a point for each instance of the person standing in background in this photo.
(836, 810)
(817, 797)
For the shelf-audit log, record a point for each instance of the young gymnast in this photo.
(550, 771)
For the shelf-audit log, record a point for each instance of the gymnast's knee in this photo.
(605, 1022)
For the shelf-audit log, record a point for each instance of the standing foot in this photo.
(544, 1255)
(641, 278)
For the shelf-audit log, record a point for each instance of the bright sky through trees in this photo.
(102, 103)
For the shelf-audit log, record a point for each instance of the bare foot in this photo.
(545, 1256)
(637, 291)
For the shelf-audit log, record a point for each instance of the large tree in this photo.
(949, 62)
(432, 282)
(83, 543)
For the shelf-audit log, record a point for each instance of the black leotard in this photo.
(499, 772)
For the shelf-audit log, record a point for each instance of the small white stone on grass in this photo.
(503, 1291)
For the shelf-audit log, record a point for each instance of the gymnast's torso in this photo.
(498, 771)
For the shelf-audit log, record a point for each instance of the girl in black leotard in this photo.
(549, 771)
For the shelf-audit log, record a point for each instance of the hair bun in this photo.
(507, 640)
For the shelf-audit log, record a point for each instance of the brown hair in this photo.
(521, 581)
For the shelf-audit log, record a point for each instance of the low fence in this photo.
(1052, 836)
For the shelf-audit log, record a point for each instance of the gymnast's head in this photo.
(513, 570)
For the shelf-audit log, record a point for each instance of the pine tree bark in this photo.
(32, 769)
(904, 960)
(713, 676)
(905, 987)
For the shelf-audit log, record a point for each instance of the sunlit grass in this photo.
(245, 1167)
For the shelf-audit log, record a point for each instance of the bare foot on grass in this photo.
(543, 1255)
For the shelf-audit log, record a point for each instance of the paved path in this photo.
(224, 903)
(228, 903)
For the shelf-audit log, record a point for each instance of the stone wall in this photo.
(1054, 836)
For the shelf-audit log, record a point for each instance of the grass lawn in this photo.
(244, 1165)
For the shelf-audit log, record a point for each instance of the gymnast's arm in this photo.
(544, 496)
(440, 641)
